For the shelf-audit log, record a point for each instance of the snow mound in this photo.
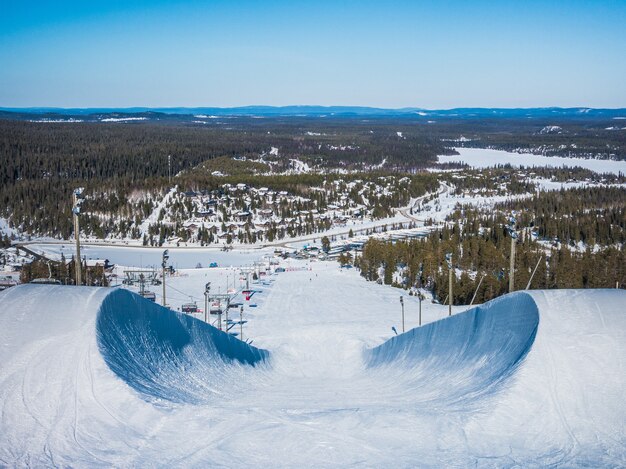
(466, 356)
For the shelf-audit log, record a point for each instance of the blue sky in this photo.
(430, 54)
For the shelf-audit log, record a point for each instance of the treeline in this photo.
(42, 163)
(507, 180)
(580, 137)
(589, 215)
(64, 272)
(481, 250)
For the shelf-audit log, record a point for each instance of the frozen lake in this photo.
(136, 256)
(486, 158)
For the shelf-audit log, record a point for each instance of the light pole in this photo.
(207, 290)
(77, 198)
(402, 304)
(164, 265)
(421, 297)
(241, 322)
(449, 262)
(513, 234)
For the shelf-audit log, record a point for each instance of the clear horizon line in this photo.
(8, 108)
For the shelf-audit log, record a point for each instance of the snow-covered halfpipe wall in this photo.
(458, 359)
(164, 354)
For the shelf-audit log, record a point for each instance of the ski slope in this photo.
(100, 377)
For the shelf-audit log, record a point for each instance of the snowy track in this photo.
(100, 377)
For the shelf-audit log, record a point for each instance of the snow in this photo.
(274, 151)
(551, 129)
(485, 158)
(544, 184)
(100, 377)
(381, 165)
(123, 119)
(5, 229)
(168, 357)
(56, 121)
(446, 202)
(299, 167)
(154, 216)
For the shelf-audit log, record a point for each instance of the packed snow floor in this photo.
(100, 377)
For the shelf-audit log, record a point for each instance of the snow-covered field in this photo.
(100, 377)
(485, 158)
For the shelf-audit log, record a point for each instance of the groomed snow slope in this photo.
(100, 377)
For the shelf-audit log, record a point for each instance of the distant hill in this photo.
(184, 113)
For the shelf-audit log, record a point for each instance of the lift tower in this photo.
(77, 199)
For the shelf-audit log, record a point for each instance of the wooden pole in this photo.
(512, 266)
(450, 289)
(420, 297)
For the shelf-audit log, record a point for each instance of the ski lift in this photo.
(189, 308)
(148, 295)
(215, 308)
